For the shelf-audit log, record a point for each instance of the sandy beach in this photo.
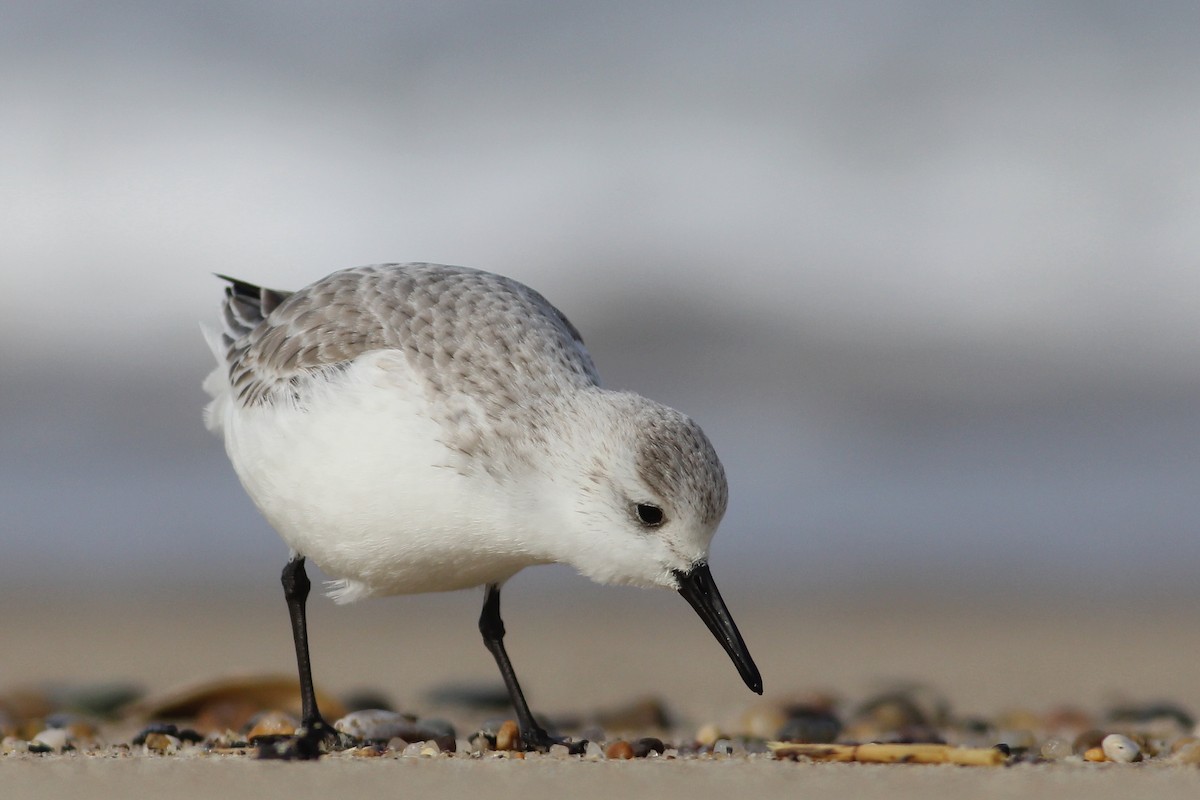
(590, 648)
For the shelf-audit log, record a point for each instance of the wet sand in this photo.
(589, 648)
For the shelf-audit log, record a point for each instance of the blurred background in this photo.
(926, 273)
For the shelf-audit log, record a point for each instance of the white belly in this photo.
(360, 483)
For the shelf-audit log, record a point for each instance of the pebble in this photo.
(508, 737)
(162, 743)
(11, 744)
(619, 749)
(559, 751)
(184, 735)
(1094, 754)
(1120, 748)
(1182, 742)
(51, 740)
(1188, 754)
(272, 723)
(722, 747)
(643, 747)
(593, 751)
(1056, 748)
(376, 724)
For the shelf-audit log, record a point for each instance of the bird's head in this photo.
(647, 494)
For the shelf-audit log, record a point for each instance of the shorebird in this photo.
(420, 428)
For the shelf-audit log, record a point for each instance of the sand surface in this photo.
(588, 648)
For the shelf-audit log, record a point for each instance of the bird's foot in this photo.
(312, 740)
(537, 740)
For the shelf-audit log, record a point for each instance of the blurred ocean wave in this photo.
(926, 274)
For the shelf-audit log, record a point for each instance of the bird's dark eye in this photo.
(649, 515)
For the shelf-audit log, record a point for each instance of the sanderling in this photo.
(421, 428)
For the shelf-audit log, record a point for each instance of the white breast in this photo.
(360, 481)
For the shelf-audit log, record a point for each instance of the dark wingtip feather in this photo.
(247, 305)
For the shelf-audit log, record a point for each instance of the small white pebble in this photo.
(593, 752)
(670, 752)
(430, 749)
(1120, 748)
(11, 744)
(559, 751)
(54, 738)
(411, 751)
(722, 747)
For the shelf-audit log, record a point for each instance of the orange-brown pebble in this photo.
(508, 736)
(1094, 754)
(619, 749)
(1188, 754)
(272, 723)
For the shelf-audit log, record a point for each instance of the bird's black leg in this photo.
(533, 736)
(315, 733)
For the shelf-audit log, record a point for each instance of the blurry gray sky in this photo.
(925, 271)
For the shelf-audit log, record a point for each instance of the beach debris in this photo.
(378, 724)
(620, 749)
(1120, 748)
(51, 740)
(1186, 752)
(646, 745)
(890, 753)
(271, 725)
(183, 734)
(229, 703)
(508, 737)
(162, 743)
(1056, 748)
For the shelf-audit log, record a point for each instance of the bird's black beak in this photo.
(698, 588)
